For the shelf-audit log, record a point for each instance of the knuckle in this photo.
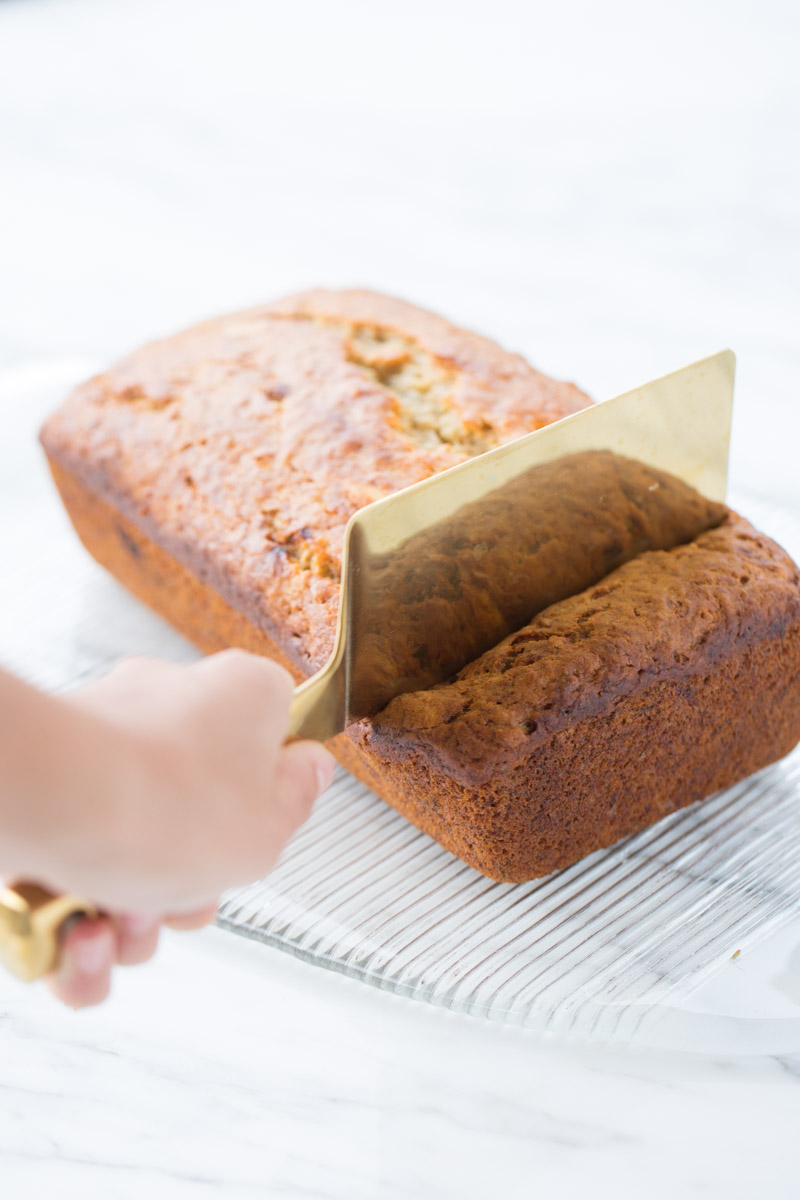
(137, 665)
(299, 789)
(234, 657)
(234, 663)
(241, 668)
(127, 668)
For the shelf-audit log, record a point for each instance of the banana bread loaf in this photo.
(676, 676)
(214, 473)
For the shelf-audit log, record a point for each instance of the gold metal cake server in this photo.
(441, 571)
(398, 550)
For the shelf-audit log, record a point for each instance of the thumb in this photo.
(303, 771)
(88, 952)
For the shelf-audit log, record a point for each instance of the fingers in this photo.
(204, 791)
(88, 952)
(255, 685)
(131, 679)
(193, 920)
(137, 938)
(303, 771)
(91, 948)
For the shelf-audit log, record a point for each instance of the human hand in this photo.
(192, 789)
(174, 783)
(90, 949)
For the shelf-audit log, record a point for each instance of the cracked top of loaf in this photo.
(244, 444)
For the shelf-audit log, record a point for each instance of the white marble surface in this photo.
(224, 1065)
(611, 190)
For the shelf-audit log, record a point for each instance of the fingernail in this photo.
(138, 924)
(92, 955)
(324, 768)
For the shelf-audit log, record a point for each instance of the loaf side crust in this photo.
(575, 733)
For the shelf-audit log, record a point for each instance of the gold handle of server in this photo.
(31, 921)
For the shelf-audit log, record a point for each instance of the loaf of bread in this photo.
(678, 675)
(214, 473)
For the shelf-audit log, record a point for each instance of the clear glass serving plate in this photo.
(684, 936)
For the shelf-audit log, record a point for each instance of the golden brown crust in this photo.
(678, 675)
(172, 591)
(154, 576)
(242, 446)
(610, 775)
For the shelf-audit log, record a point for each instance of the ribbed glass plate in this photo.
(686, 935)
